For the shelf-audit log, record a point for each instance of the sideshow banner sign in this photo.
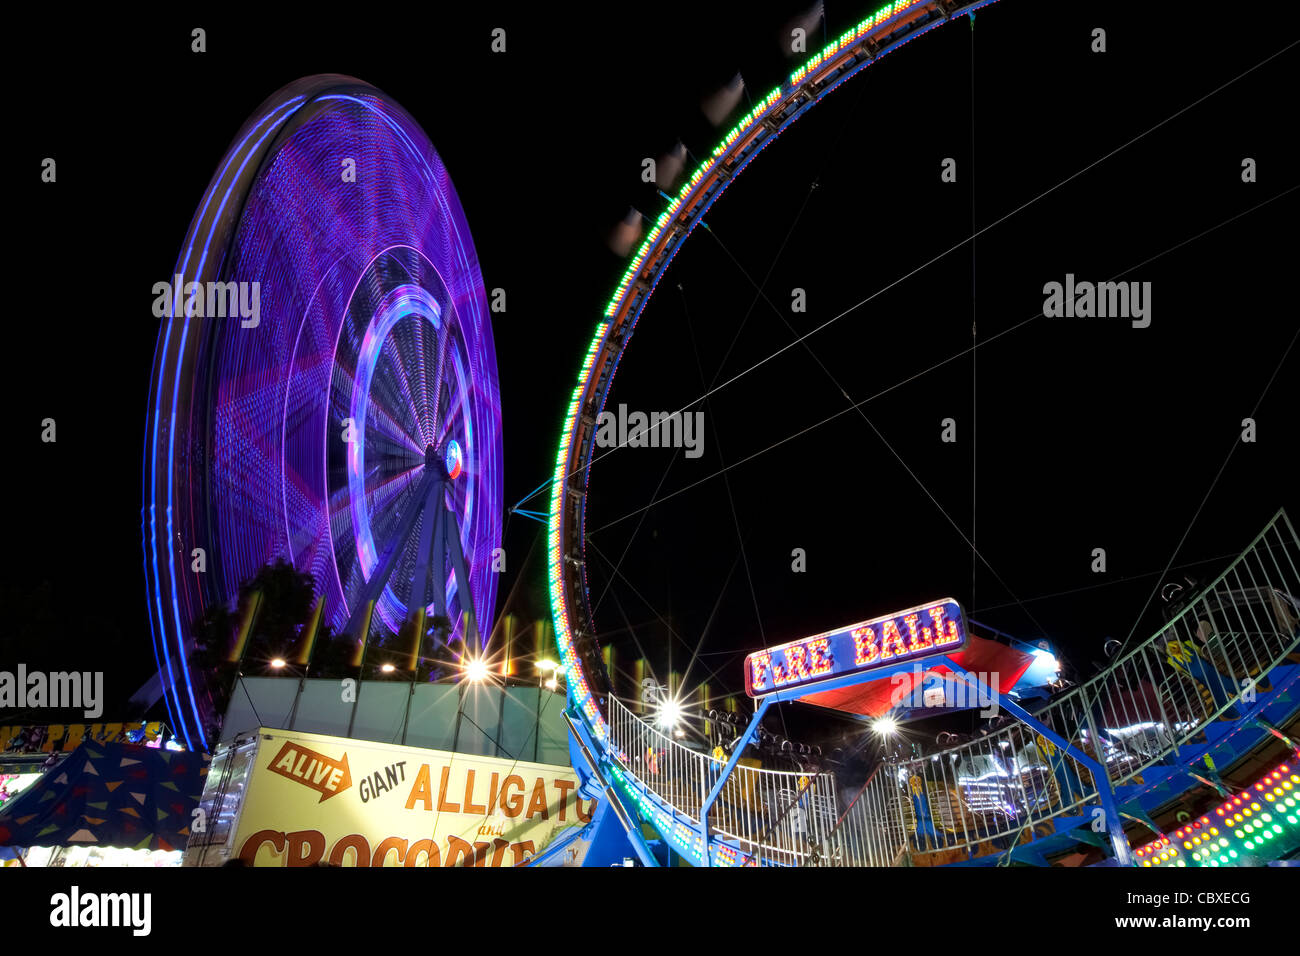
(314, 799)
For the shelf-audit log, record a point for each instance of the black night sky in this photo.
(1078, 434)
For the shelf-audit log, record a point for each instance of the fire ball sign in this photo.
(935, 628)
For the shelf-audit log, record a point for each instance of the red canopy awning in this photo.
(980, 655)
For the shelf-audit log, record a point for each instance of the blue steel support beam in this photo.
(420, 581)
(374, 586)
(630, 823)
(1114, 822)
(450, 529)
(797, 693)
(721, 782)
(1265, 725)
(560, 844)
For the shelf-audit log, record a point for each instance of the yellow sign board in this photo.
(312, 799)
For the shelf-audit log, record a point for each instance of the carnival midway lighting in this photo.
(670, 712)
(884, 726)
(476, 670)
(1260, 824)
(554, 673)
(887, 29)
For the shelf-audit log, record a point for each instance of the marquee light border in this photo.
(936, 627)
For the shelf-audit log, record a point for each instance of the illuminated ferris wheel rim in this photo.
(274, 209)
(854, 50)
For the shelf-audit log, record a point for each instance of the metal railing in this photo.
(870, 832)
(1143, 708)
(769, 816)
(978, 791)
(774, 816)
(1202, 666)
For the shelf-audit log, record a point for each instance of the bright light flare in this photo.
(476, 670)
(670, 712)
(1049, 658)
(884, 726)
(277, 663)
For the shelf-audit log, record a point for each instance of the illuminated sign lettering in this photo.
(935, 628)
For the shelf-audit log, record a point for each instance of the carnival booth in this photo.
(106, 804)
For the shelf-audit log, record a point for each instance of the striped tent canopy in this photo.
(116, 795)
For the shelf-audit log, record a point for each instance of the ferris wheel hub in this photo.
(453, 461)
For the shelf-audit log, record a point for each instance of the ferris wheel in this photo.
(324, 386)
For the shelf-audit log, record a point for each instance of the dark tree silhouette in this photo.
(213, 633)
(332, 655)
(286, 600)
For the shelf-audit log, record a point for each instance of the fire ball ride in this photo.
(354, 428)
(1168, 728)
